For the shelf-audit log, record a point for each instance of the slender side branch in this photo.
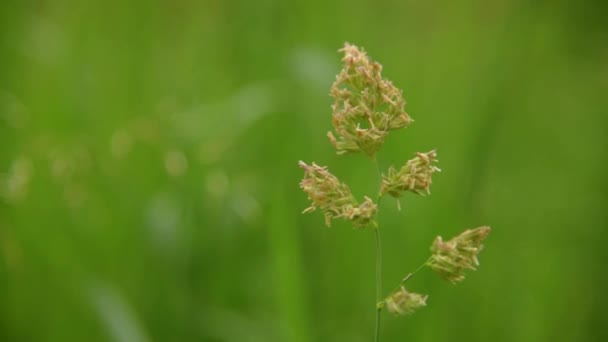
(409, 275)
(405, 279)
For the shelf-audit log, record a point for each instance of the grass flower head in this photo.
(366, 106)
(333, 197)
(403, 302)
(450, 259)
(414, 176)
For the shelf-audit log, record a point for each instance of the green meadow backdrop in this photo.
(149, 178)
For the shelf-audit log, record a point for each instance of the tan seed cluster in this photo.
(403, 302)
(414, 176)
(333, 197)
(450, 259)
(366, 106)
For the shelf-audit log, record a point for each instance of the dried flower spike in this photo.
(402, 302)
(450, 259)
(333, 197)
(414, 176)
(366, 109)
(366, 106)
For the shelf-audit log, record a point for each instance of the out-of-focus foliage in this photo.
(149, 177)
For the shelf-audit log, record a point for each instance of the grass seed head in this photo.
(366, 106)
(403, 302)
(450, 259)
(414, 176)
(333, 197)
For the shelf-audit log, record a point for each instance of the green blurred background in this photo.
(149, 179)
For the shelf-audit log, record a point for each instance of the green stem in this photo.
(378, 263)
(378, 282)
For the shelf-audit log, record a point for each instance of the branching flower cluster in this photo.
(366, 109)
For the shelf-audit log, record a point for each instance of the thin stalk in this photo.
(378, 263)
(378, 282)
